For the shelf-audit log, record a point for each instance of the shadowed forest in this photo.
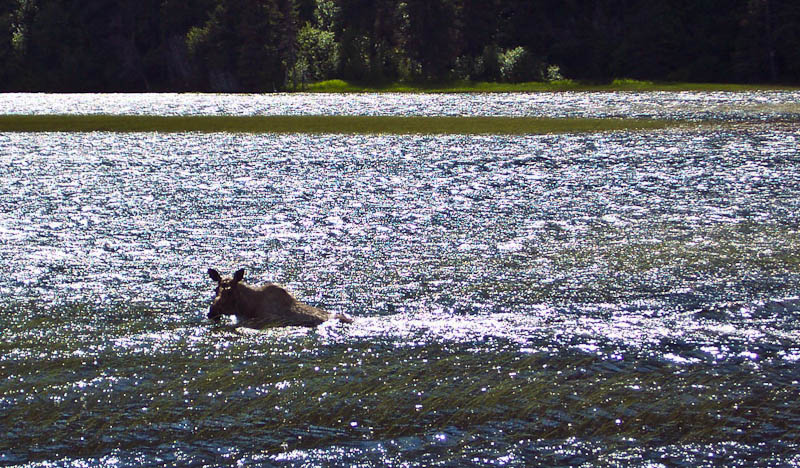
(275, 45)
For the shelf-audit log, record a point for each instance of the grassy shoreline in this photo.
(341, 86)
(323, 124)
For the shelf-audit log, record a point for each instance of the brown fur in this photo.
(266, 306)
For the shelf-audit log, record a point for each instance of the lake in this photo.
(660, 105)
(616, 299)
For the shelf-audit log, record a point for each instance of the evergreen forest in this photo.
(276, 45)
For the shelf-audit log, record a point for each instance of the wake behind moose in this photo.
(266, 306)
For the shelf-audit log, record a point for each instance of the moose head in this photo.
(226, 301)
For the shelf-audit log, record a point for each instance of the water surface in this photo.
(759, 105)
(618, 299)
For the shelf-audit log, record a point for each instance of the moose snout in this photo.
(213, 314)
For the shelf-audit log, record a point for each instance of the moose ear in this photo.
(214, 274)
(238, 276)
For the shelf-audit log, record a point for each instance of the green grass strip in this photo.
(322, 124)
(618, 85)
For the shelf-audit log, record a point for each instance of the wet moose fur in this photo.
(266, 306)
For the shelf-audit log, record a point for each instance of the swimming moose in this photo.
(266, 306)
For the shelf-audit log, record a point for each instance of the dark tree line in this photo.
(266, 45)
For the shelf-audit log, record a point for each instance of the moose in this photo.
(266, 306)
